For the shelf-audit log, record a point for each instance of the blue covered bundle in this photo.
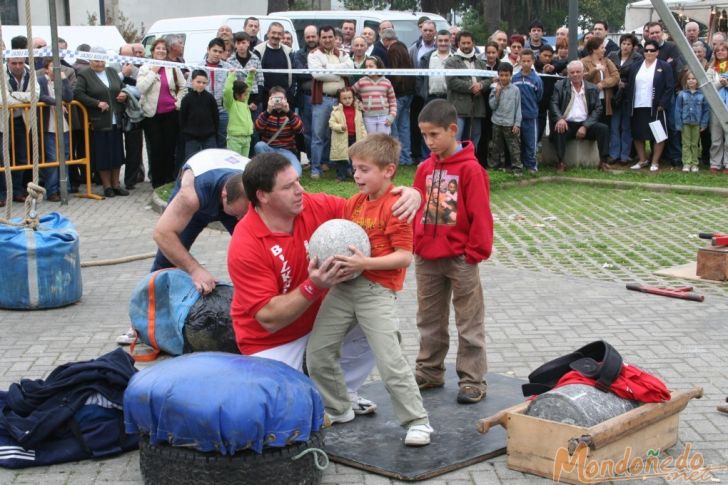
(213, 401)
(42, 267)
(172, 293)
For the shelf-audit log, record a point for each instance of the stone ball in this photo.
(333, 238)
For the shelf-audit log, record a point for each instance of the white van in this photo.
(405, 23)
(197, 32)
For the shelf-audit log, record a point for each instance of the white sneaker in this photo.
(694, 168)
(654, 168)
(330, 419)
(686, 168)
(638, 165)
(126, 338)
(418, 435)
(361, 405)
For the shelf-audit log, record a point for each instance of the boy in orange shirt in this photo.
(369, 299)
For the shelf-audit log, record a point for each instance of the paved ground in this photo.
(532, 316)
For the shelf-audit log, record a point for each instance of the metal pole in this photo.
(711, 94)
(58, 93)
(102, 13)
(573, 29)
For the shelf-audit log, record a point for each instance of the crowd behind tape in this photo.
(116, 58)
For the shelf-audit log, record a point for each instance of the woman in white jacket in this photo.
(162, 90)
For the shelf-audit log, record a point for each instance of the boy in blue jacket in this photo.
(531, 88)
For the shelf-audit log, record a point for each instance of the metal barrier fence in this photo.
(70, 113)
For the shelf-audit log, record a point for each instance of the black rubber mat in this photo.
(375, 443)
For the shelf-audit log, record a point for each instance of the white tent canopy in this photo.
(639, 13)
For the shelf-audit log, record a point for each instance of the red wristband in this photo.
(310, 291)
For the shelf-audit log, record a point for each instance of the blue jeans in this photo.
(401, 129)
(529, 135)
(222, 129)
(620, 137)
(468, 132)
(306, 113)
(21, 158)
(263, 147)
(51, 175)
(195, 145)
(321, 141)
(343, 170)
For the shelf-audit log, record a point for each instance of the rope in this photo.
(317, 452)
(124, 259)
(4, 113)
(34, 195)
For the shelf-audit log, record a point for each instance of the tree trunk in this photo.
(277, 5)
(440, 7)
(492, 14)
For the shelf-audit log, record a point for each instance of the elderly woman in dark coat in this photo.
(649, 93)
(99, 90)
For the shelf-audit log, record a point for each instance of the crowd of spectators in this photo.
(614, 93)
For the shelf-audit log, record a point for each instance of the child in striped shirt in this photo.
(377, 97)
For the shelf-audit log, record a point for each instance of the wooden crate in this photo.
(713, 263)
(569, 453)
(533, 444)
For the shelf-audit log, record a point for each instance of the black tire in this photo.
(169, 465)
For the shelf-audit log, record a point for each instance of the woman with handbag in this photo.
(620, 139)
(718, 75)
(649, 94)
(98, 88)
(601, 71)
(162, 90)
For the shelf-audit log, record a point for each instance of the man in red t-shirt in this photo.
(277, 290)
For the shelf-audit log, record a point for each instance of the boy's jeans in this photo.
(372, 306)
(437, 281)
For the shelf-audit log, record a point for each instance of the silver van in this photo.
(405, 23)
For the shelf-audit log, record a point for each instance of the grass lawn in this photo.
(405, 175)
(597, 232)
(498, 179)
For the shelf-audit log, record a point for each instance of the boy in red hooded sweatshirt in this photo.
(453, 233)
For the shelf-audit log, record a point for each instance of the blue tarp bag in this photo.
(158, 308)
(214, 401)
(42, 267)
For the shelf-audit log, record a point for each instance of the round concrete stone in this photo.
(334, 237)
(579, 404)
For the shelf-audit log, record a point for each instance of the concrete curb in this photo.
(158, 205)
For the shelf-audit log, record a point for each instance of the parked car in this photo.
(106, 36)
